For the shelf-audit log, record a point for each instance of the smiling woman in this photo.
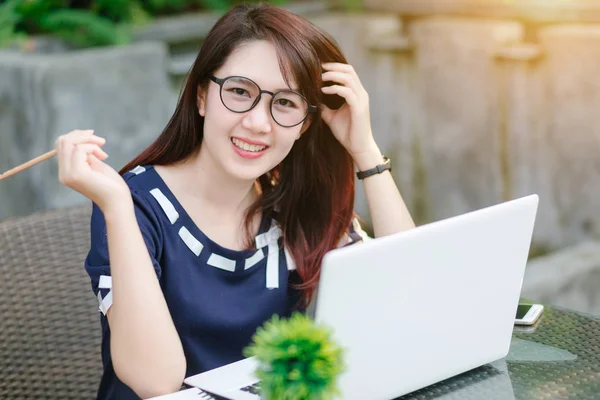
(250, 128)
(233, 206)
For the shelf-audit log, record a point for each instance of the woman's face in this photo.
(248, 144)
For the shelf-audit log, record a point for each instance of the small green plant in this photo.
(298, 360)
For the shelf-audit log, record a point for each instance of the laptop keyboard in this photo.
(252, 389)
(209, 396)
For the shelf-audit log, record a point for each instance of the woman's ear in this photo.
(305, 127)
(201, 101)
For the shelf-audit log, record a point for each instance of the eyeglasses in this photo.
(240, 94)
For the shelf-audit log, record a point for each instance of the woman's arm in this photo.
(146, 351)
(388, 210)
(351, 126)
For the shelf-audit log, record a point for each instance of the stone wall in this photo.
(122, 93)
(473, 115)
(568, 278)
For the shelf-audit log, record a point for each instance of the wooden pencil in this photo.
(28, 164)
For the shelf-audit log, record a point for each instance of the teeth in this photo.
(247, 147)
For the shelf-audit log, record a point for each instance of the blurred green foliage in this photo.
(298, 359)
(89, 23)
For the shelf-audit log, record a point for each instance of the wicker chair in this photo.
(49, 323)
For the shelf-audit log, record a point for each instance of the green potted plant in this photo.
(298, 360)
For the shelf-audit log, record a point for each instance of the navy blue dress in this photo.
(217, 297)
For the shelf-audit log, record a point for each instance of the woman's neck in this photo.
(229, 196)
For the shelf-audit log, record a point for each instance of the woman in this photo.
(233, 206)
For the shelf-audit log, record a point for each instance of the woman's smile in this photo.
(248, 149)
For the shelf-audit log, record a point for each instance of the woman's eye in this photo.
(239, 91)
(285, 103)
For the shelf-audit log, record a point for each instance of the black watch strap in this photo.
(387, 165)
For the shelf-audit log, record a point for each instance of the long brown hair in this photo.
(311, 191)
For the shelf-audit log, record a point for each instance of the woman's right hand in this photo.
(81, 167)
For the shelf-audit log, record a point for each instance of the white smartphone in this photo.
(528, 314)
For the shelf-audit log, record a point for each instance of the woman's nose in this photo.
(259, 118)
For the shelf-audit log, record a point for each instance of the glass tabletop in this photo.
(558, 358)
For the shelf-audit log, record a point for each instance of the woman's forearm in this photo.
(146, 351)
(388, 210)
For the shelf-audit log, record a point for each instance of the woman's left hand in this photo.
(351, 123)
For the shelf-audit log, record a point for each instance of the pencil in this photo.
(28, 164)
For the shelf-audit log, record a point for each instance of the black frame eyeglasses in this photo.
(274, 95)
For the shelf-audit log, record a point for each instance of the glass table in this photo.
(558, 358)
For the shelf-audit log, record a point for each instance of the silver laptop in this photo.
(416, 307)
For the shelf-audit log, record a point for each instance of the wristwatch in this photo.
(387, 165)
